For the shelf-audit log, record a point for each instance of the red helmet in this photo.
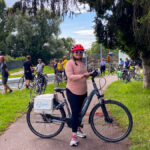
(77, 47)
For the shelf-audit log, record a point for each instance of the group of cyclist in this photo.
(29, 69)
(129, 64)
(60, 65)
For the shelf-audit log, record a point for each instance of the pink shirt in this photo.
(76, 83)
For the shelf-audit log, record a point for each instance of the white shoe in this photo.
(81, 134)
(74, 141)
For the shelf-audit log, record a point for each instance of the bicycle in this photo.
(110, 120)
(125, 76)
(59, 77)
(39, 85)
(134, 75)
(112, 70)
(22, 80)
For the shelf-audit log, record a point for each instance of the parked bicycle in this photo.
(112, 70)
(59, 77)
(110, 120)
(134, 75)
(39, 85)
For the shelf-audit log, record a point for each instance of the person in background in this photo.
(60, 66)
(64, 65)
(102, 66)
(40, 66)
(39, 70)
(109, 61)
(28, 67)
(127, 63)
(55, 66)
(5, 74)
(121, 64)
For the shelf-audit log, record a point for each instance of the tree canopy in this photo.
(36, 36)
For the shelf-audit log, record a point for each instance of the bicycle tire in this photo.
(21, 82)
(117, 127)
(45, 122)
(35, 90)
(44, 86)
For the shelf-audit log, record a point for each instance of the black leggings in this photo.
(76, 102)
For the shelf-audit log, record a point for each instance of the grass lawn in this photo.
(13, 105)
(48, 70)
(15, 70)
(137, 99)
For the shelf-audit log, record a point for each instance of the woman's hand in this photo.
(86, 75)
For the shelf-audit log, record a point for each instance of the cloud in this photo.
(85, 32)
(86, 43)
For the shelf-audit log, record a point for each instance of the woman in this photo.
(76, 89)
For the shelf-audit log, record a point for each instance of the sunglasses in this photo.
(78, 52)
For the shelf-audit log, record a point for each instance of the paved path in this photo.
(19, 137)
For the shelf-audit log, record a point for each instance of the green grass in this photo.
(137, 99)
(15, 70)
(48, 70)
(13, 105)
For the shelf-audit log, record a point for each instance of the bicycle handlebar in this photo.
(94, 74)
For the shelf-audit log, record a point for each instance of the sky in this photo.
(79, 27)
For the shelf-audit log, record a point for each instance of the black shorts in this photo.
(4, 80)
(28, 76)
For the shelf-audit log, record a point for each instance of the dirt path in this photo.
(19, 137)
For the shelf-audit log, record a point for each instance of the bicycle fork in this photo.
(105, 112)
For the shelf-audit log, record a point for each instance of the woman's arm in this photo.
(70, 73)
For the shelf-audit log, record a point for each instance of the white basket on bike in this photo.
(44, 103)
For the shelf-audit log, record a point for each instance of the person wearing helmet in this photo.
(39, 70)
(76, 90)
(28, 67)
(102, 66)
(5, 74)
(40, 66)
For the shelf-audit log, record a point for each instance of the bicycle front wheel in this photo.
(45, 125)
(35, 90)
(116, 127)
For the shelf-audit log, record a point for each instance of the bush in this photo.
(9, 58)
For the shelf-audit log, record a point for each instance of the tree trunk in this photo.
(146, 72)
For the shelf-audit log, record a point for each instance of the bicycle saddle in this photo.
(60, 89)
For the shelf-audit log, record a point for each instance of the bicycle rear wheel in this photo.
(21, 82)
(114, 128)
(45, 125)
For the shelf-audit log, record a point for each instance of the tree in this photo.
(37, 36)
(3, 34)
(68, 43)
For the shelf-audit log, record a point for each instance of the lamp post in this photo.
(101, 52)
(86, 60)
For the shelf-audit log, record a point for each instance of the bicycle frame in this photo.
(86, 103)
